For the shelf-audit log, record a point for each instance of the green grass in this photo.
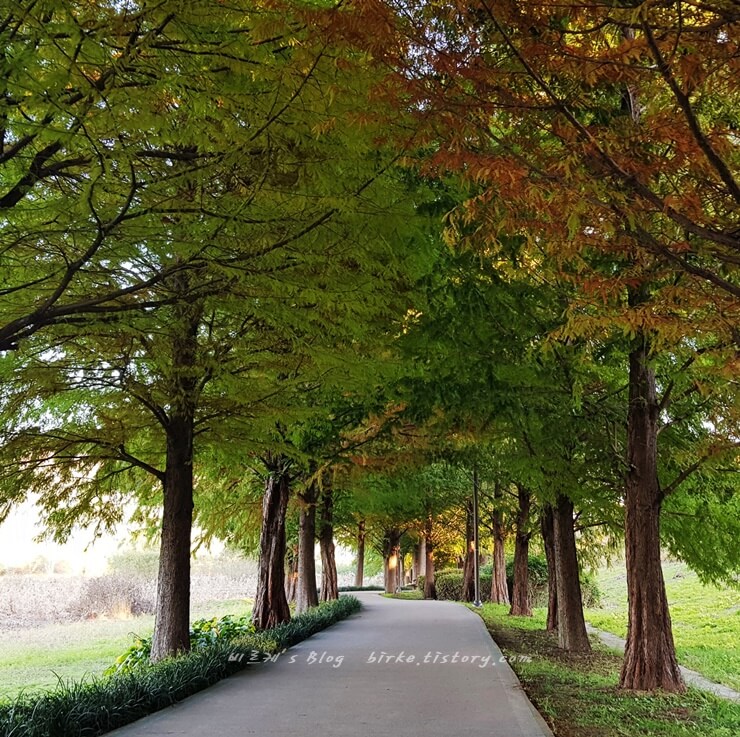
(409, 595)
(578, 695)
(36, 659)
(706, 620)
(94, 705)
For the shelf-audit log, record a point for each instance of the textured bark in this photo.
(391, 551)
(520, 594)
(270, 603)
(172, 616)
(422, 557)
(416, 567)
(572, 634)
(547, 525)
(306, 594)
(329, 580)
(360, 572)
(468, 588)
(291, 573)
(430, 589)
(499, 587)
(650, 656)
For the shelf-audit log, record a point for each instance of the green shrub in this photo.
(590, 590)
(537, 570)
(420, 583)
(360, 588)
(94, 706)
(203, 632)
(450, 586)
(449, 582)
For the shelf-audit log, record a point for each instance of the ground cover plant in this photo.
(95, 705)
(578, 694)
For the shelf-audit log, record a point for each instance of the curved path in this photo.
(396, 669)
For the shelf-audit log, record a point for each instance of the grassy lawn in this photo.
(578, 695)
(33, 659)
(706, 620)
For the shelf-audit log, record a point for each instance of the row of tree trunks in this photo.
(499, 587)
(520, 594)
(360, 572)
(329, 580)
(271, 604)
(306, 595)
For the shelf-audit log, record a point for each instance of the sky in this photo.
(19, 545)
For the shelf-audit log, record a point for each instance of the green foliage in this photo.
(590, 591)
(203, 633)
(449, 582)
(94, 706)
(97, 705)
(450, 586)
(537, 570)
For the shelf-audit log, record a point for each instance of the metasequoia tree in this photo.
(603, 135)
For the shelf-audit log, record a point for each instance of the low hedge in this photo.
(97, 705)
(449, 583)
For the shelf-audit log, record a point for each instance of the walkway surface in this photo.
(692, 678)
(398, 668)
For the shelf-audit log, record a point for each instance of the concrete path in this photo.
(396, 669)
(692, 678)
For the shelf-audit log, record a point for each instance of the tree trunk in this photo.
(468, 589)
(360, 572)
(430, 589)
(391, 550)
(572, 634)
(291, 573)
(499, 588)
(650, 656)
(306, 594)
(547, 525)
(172, 615)
(416, 566)
(520, 594)
(172, 618)
(422, 557)
(270, 604)
(329, 582)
